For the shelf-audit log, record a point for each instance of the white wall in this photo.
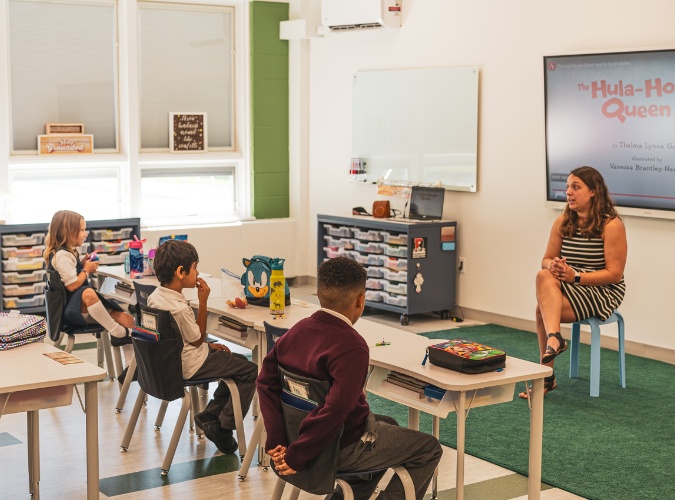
(503, 228)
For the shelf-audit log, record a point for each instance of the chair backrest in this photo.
(159, 364)
(300, 396)
(142, 293)
(273, 333)
(55, 303)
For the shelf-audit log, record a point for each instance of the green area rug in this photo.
(618, 446)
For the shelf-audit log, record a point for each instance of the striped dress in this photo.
(586, 255)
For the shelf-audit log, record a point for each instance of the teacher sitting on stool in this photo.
(582, 269)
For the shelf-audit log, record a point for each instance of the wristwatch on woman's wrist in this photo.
(577, 277)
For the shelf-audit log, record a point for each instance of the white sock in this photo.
(103, 318)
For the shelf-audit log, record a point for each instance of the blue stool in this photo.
(595, 325)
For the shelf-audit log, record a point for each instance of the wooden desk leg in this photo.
(461, 435)
(413, 419)
(33, 431)
(536, 439)
(91, 405)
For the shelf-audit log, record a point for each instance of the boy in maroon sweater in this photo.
(325, 346)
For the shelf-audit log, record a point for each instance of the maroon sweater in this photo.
(322, 347)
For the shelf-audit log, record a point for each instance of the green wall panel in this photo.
(269, 111)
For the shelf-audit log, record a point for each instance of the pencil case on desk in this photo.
(466, 356)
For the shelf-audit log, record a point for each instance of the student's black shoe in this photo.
(123, 376)
(222, 438)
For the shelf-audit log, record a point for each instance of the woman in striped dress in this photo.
(582, 269)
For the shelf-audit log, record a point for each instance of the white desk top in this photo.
(253, 316)
(26, 368)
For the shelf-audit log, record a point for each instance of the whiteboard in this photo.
(417, 125)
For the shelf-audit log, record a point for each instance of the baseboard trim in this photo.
(610, 342)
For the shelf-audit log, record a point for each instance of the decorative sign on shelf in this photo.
(64, 128)
(187, 132)
(65, 144)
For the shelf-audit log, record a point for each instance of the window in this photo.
(186, 65)
(39, 192)
(204, 194)
(62, 69)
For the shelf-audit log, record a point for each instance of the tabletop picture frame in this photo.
(187, 132)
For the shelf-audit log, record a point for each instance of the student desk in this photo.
(109, 276)
(30, 381)
(405, 354)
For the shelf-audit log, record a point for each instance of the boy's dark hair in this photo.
(171, 255)
(339, 282)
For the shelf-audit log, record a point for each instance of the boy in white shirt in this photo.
(176, 268)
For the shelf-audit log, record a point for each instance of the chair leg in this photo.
(131, 371)
(347, 493)
(574, 350)
(177, 431)
(160, 415)
(595, 360)
(119, 365)
(133, 419)
(238, 417)
(70, 344)
(251, 449)
(194, 409)
(278, 489)
(622, 350)
(406, 480)
(107, 351)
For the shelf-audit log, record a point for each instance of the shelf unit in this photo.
(386, 248)
(22, 247)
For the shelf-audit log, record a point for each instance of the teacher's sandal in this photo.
(550, 354)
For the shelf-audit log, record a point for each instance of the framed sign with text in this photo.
(187, 132)
(65, 144)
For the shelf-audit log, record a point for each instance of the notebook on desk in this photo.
(426, 203)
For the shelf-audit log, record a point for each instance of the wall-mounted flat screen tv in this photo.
(614, 112)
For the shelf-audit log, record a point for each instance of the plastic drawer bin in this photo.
(17, 290)
(112, 258)
(395, 239)
(343, 231)
(15, 264)
(110, 246)
(370, 260)
(331, 252)
(18, 240)
(395, 251)
(34, 251)
(17, 303)
(375, 284)
(348, 253)
(400, 264)
(375, 272)
(377, 248)
(346, 243)
(31, 277)
(392, 275)
(395, 300)
(399, 288)
(373, 296)
(370, 235)
(110, 234)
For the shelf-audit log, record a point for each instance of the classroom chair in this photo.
(595, 325)
(272, 333)
(55, 302)
(321, 475)
(159, 366)
(142, 293)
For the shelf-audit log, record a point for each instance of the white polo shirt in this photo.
(175, 302)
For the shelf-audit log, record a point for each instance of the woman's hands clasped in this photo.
(558, 267)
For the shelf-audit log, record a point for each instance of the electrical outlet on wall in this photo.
(462, 265)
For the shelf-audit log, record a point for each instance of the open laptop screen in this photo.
(426, 203)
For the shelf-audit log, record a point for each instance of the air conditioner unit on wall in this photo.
(356, 14)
